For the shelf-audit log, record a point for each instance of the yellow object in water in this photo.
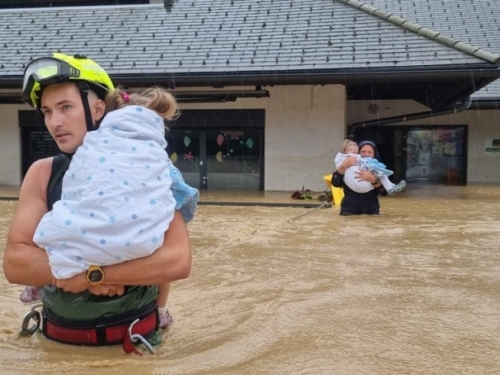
(173, 157)
(337, 193)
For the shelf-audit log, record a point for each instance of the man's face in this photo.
(367, 151)
(64, 115)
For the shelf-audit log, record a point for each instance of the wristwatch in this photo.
(95, 275)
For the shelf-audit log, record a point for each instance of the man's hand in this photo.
(107, 290)
(79, 284)
(75, 284)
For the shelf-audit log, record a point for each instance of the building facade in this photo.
(266, 108)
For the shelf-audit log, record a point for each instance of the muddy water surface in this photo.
(415, 290)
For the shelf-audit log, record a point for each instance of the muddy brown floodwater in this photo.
(415, 290)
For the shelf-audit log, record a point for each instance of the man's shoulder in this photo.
(39, 172)
(42, 165)
(34, 186)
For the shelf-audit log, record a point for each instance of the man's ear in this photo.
(99, 109)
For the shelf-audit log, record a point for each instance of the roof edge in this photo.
(423, 31)
(294, 77)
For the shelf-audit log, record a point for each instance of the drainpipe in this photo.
(461, 106)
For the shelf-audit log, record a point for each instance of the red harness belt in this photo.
(102, 333)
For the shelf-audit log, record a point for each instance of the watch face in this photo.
(95, 276)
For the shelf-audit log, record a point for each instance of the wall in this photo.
(305, 126)
(482, 124)
(10, 145)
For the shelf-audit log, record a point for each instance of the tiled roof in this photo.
(221, 37)
(490, 92)
(476, 22)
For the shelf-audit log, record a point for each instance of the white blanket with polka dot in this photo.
(116, 199)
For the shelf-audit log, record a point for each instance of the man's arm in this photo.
(172, 261)
(25, 263)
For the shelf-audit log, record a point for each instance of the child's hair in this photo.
(346, 144)
(154, 98)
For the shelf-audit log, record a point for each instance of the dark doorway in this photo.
(36, 141)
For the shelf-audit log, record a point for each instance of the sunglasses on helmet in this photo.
(42, 72)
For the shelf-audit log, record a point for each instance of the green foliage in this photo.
(304, 194)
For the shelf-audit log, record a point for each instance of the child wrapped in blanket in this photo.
(350, 148)
(119, 193)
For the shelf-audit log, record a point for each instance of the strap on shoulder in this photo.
(60, 164)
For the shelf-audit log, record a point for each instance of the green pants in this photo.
(86, 306)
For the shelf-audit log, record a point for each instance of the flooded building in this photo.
(269, 90)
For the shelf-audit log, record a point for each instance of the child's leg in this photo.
(390, 187)
(386, 183)
(162, 298)
(161, 301)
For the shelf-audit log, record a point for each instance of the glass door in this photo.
(233, 159)
(218, 159)
(422, 154)
(436, 155)
(183, 148)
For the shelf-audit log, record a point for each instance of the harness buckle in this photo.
(135, 338)
(33, 314)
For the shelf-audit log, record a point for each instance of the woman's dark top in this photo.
(357, 203)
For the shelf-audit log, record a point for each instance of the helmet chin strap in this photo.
(84, 93)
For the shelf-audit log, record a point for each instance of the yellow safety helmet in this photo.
(63, 68)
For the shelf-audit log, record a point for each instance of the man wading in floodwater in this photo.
(99, 306)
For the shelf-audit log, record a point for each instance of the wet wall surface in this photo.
(277, 290)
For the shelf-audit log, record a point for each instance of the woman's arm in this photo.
(363, 175)
(348, 162)
(338, 180)
(380, 189)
